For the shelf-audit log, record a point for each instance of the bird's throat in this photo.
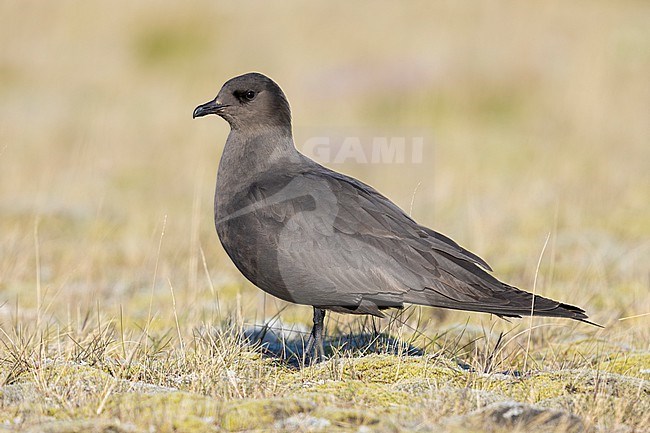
(248, 155)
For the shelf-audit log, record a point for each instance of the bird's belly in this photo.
(254, 251)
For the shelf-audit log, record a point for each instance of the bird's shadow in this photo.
(288, 346)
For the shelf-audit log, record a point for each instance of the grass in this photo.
(220, 382)
(120, 312)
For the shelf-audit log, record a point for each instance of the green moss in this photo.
(392, 369)
(57, 391)
(553, 385)
(382, 391)
(368, 380)
(532, 389)
(356, 392)
(82, 426)
(346, 417)
(240, 415)
(170, 411)
(636, 364)
(383, 369)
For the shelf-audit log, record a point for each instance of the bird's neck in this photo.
(246, 155)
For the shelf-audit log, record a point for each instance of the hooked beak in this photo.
(212, 107)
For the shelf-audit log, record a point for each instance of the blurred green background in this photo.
(536, 118)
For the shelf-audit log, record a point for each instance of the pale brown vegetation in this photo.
(118, 305)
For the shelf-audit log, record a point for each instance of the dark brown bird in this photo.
(312, 236)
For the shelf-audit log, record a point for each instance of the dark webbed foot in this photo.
(315, 352)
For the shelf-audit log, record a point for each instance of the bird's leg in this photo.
(315, 342)
(319, 329)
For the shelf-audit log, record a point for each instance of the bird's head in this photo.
(249, 101)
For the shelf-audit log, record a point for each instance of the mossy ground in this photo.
(384, 392)
(120, 311)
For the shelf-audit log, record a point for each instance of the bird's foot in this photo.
(314, 351)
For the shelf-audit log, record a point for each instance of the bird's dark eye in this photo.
(245, 95)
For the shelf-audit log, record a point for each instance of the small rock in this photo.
(302, 422)
(520, 415)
